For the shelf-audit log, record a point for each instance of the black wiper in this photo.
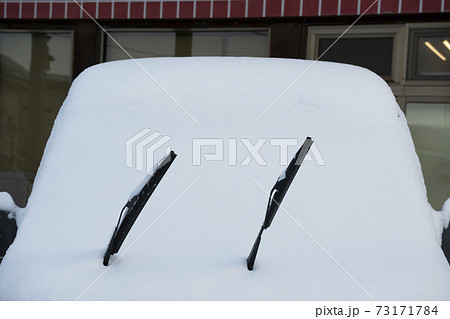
(277, 194)
(134, 207)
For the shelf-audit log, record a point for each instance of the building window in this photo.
(231, 43)
(140, 44)
(429, 54)
(374, 54)
(35, 76)
(377, 48)
(429, 124)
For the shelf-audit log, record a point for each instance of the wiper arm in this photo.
(277, 194)
(134, 207)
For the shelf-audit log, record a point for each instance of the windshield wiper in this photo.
(277, 194)
(135, 205)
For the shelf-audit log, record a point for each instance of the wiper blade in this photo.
(277, 194)
(134, 206)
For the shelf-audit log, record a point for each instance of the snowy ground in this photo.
(356, 228)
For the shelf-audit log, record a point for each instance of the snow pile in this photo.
(6, 202)
(366, 207)
(441, 219)
(446, 213)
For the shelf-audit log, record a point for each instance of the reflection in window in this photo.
(430, 128)
(188, 43)
(374, 54)
(429, 54)
(140, 45)
(35, 75)
(433, 56)
(240, 43)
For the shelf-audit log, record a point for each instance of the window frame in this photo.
(396, 32)
(415, 30)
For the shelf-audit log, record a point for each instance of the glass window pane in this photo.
(140, 45)
(188, 43)
(240, 43)
(430, 128)
(372, 53)
(429, 54)
(433, 56)
(35, 75)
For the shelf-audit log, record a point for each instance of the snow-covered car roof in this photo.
(355, 223)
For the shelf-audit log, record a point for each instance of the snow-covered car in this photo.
(354, 224)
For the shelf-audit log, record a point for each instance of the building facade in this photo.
(45, 44)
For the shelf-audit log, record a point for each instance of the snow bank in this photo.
(366, 207)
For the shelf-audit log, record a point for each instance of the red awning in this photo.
(182, 9)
